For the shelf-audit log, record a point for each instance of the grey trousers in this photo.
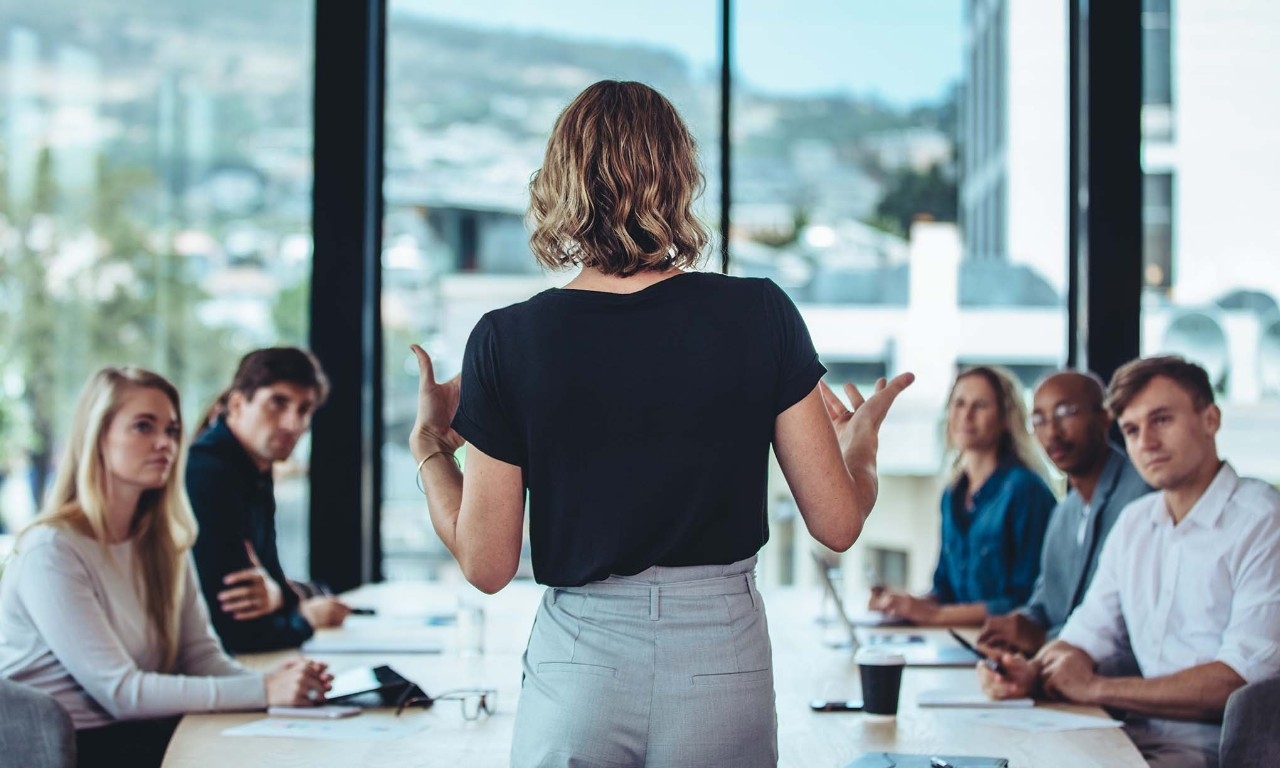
(1175, 744)
(670, 667)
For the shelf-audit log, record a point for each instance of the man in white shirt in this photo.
(1070, 421)
(1190, 577)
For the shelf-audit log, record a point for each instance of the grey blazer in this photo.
(1067, 566)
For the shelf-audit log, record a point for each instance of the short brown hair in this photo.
(617, 185)
(1134, 376)
(265, 367)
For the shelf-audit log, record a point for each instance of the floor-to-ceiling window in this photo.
(904, 180)
(155, 207)
(1212, 258)
(472, 93)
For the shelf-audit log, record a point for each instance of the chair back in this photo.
(35, 731)
(1251, 727)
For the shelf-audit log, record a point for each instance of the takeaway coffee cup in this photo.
(881, 672)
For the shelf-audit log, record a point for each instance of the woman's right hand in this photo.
(437, 402)
(902, 605)
(297, 682)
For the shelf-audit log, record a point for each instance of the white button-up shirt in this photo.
(1205, 590)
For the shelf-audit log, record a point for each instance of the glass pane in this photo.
(1210, 197)
(472, 93)
(155, 210)
(904, 181)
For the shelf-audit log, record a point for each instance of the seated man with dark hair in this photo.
(255, 423)
(1189, 578)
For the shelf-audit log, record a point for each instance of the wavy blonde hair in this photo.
(1015, 440)
(163, 527)
(617, 185)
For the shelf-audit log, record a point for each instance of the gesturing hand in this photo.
(858, 427)
(437, 402)
(253, 592)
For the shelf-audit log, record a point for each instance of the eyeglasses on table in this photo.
(474, 702)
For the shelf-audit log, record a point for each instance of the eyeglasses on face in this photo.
(1061, 412)
(474, 702)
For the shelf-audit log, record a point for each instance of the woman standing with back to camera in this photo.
(637, 405)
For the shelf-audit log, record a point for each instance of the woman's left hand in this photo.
(251, 592)
(903, 605)
(437, 402)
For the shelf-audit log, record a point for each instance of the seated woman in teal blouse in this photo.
(994, 512)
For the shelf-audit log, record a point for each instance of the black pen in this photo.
(987, 661)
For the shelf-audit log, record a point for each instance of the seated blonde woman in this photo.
(100, 606)
(995, 509)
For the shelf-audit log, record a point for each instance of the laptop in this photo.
(917, 654)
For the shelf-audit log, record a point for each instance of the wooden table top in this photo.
(805, 668)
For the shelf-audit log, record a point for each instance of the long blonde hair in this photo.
(163, 527)
(617, 185)
(1015, 440)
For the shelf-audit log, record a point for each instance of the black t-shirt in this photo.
(641, 421)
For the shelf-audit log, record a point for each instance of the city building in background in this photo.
(1211, 265)
(905, 182)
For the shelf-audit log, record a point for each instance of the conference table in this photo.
(805, 668)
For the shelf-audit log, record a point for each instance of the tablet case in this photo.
(387, 689)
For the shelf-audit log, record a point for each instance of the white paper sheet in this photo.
(947, 697)
(382, 640)
(349, 729)
(1037, 720)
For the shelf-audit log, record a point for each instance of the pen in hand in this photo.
(987, 661)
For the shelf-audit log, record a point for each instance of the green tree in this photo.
(149, 319)
(134, 303)
(911, 194)
(291, 313)
(35, 324)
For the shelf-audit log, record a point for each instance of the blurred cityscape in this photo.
(155, 204)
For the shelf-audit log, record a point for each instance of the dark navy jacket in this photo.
(1067, 564)
(235, 502)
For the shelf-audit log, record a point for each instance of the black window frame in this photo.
(1104, 242)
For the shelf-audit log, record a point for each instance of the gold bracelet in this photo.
(429, 456)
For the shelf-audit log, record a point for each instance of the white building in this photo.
(1208, 127)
